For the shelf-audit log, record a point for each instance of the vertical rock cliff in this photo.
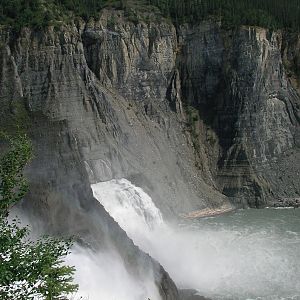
(246, 110)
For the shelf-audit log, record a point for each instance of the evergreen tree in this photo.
(28, 270)
(268, 13)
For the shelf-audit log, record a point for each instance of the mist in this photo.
(100, 275)
(220, 260)
(103, 275)
(252, 254)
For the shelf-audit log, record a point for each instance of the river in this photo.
(248, 254)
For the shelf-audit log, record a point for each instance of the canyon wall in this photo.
(242, 95)
(198, 116)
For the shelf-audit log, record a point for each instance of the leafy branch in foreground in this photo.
(28, 270)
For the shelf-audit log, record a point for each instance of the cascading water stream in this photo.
(242, 256)
(130, 206)
(104, 276)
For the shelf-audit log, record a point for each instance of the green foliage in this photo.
(111, 22)
(267, 13)
(13, 185)
(32, 269)
(28, 270)
(40, 13)
(21, 13)
(83, 8)
(192, 118)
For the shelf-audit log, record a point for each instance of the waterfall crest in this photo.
(131, 207)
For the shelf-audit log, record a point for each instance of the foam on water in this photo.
(247, 255)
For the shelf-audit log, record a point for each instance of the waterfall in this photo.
(240, 256)
(131, 207)
(104, 275)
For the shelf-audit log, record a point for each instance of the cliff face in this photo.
(240, 82)
(148, 146)
(235, 96)
(198, 117)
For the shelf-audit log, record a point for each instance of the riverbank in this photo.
(208, 212)
(287, 202)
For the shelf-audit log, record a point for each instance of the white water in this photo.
(243, 257)
(130, 206)
(103, 276)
